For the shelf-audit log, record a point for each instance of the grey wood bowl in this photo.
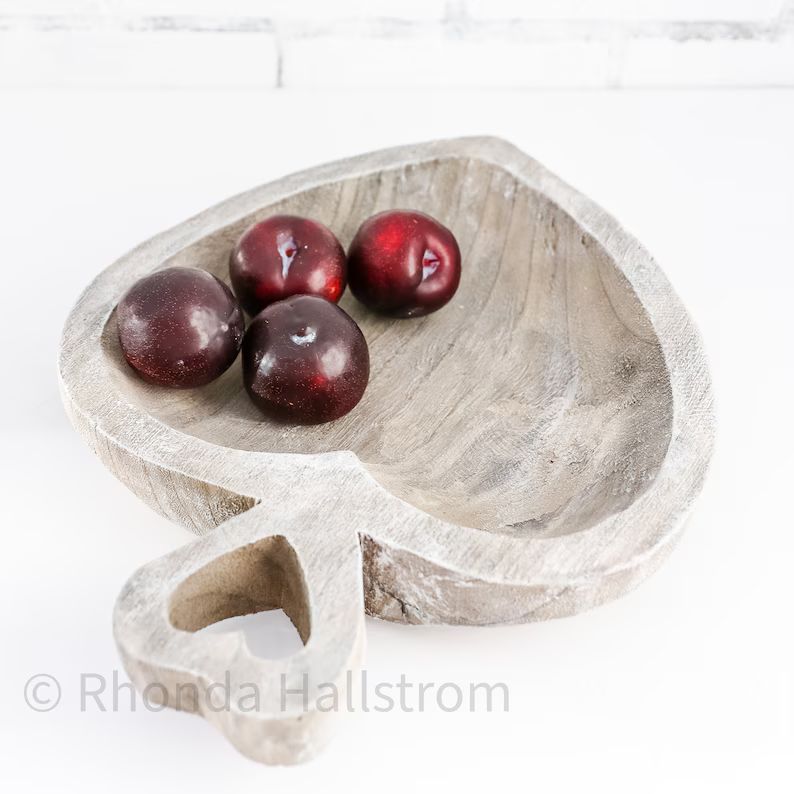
(527, 452)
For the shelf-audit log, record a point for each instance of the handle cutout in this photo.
(257, 577)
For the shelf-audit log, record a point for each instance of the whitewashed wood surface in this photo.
(685, 684)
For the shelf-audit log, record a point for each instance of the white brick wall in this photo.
(681, 10)
(412, 43)
(111, 58)
(426, 60)
(660, 62)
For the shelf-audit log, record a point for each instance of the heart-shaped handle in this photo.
(277, 711)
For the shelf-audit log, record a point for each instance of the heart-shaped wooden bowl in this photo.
(527, 452)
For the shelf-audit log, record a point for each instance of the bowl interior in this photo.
(536, 402)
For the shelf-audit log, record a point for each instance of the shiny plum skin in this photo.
(403, 264)
(180, 327)
(305, 361)
(286, 255)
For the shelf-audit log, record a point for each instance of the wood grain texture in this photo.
(527, 452)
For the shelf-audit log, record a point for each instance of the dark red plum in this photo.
(286, 255)
(180, 327)
(305, 361)
(403, 264)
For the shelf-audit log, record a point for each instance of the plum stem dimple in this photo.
(287, 249)
(304, 336)
(430, 263)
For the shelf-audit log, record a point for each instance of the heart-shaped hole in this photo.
(268, 635)
(232, 592)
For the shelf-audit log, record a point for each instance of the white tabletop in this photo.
(687, 684)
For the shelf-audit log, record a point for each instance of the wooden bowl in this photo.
(527, 452)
